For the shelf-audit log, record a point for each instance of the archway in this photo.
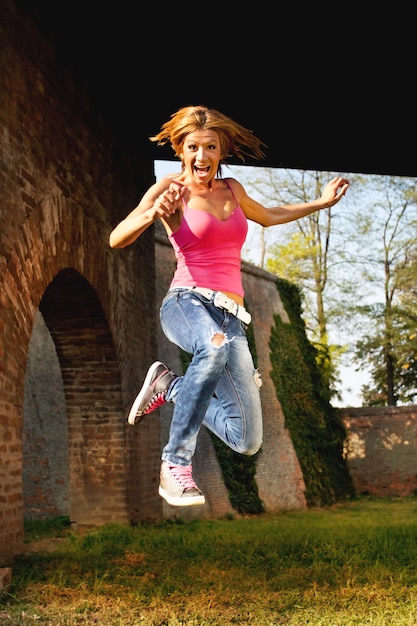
(85, 433)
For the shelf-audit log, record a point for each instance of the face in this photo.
(201, 155)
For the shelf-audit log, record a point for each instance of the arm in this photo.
(161, 201)
(332, 193)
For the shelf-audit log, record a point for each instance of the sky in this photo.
(351, 380)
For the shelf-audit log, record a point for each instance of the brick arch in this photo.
(91, 381)
(54, 247)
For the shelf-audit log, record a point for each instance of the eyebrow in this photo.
(216, 141)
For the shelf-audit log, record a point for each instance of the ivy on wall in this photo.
(316, 428)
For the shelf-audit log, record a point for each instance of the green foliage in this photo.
(326, 357)
(239, 477)
(316, 429)
(292, 259)
(390, 351)
(387, 348)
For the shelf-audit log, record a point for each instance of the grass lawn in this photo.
(349, 564)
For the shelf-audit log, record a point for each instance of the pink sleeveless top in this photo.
(208, 250)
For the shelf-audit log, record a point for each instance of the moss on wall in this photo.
(316, 428)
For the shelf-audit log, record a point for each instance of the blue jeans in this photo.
(220, 388)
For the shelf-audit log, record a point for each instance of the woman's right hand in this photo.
(169, 201)
(150, 208)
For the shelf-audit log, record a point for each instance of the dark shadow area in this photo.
(45, 430)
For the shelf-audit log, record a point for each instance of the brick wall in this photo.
(64, 184)
(381, 450)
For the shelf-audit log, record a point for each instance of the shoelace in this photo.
(157, 400)
(183, 476)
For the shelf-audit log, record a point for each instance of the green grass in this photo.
(350, 564)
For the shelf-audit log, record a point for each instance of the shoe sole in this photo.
(187, 501)
(132, 418)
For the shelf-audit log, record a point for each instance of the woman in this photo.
(205, 217)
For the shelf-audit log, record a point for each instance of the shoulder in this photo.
(236, 187)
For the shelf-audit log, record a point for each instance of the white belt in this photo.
(223, 302)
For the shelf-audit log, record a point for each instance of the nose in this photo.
(201, 153)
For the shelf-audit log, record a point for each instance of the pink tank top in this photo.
(208, 250)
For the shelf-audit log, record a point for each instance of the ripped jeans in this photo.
(220, 388)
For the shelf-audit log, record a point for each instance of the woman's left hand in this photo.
(334, 191)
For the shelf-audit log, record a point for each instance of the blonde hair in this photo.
(235, 139)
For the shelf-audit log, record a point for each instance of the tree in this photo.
(389, 264)
(304, 255)
(408, 353)
(356, 267)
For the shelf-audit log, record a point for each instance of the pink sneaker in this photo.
(153, 392)
(177, 486)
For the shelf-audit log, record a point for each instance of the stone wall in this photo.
(381, 450)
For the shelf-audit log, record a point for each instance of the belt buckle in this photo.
(226, 303)
(229, 305)
(222, 301)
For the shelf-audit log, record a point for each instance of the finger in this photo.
(177, 189)
(167, 205)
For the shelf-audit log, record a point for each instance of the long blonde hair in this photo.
(234, 139)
